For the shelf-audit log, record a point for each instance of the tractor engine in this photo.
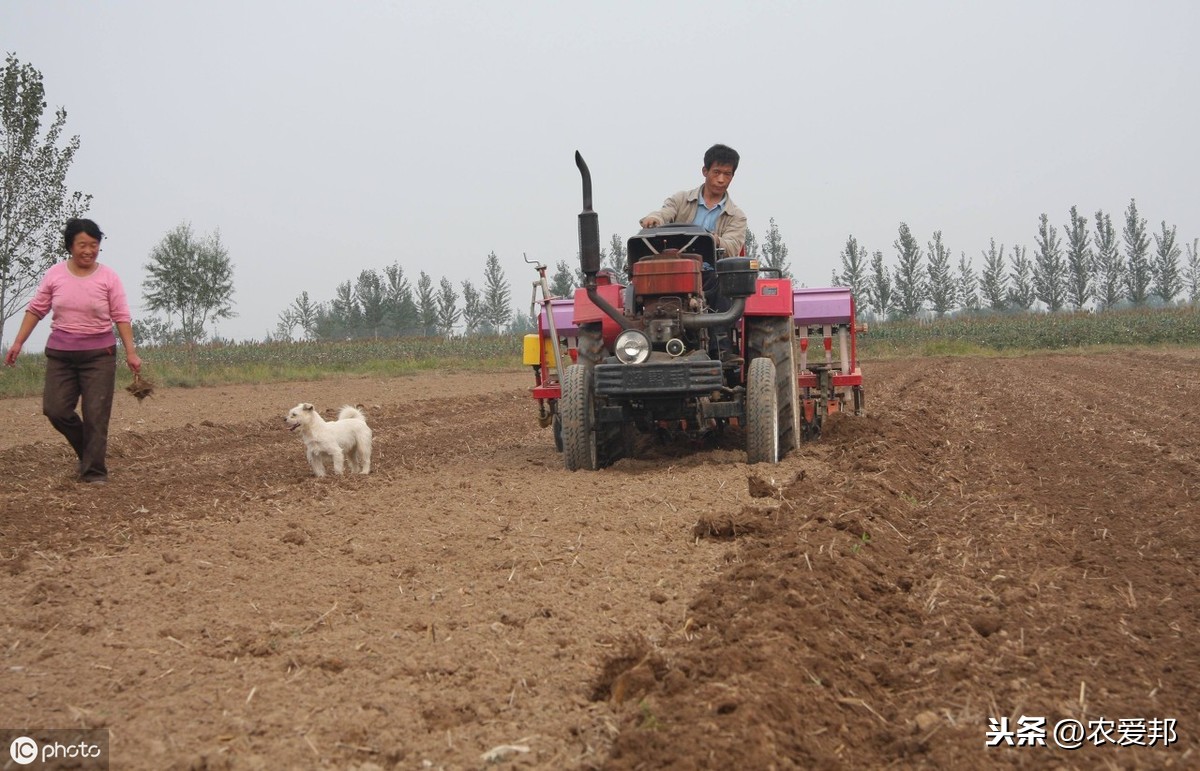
(665, 286)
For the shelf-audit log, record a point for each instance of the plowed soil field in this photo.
(998, 538)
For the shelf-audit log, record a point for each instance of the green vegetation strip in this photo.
(1001, 333)
(181, 367)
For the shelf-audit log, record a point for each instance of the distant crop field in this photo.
(1032, 332)
(181, 367)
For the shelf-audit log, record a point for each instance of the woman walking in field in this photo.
(87, 299)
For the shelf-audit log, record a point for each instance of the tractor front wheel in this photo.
(762, 413)
(577, 409)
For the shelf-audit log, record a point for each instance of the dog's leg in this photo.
(364, 455)
(318, 465)
(339, 461)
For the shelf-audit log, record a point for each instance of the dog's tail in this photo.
(351, 412)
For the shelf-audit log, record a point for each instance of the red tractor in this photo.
(693, 342)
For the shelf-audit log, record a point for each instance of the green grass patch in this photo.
(210, 365)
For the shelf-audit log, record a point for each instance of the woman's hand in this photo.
(10, 358)
(134, 361)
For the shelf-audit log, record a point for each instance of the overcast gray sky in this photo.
(325, 138)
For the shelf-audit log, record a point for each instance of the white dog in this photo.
(346, 440)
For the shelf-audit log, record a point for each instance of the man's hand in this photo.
(650, 222)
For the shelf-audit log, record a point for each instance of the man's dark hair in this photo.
(75, 227)
(722, 154)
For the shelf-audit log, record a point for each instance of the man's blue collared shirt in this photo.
(706, 217)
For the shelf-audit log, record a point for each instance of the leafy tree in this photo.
(1137, 256)
(1049, 269)
(1080, 262)
(520, 323)
(344, 317)
(942, 289)
(447, 308)
(1110, 267)
(616, 258)
(775, 251)
(34, 201)
(968, 284)
(151, 331)
(286, 325)
(911, 287)
(372, 302)
(427, 305)
(752, 249)
(879, 288)
(854, 268)
(1020, 280)
(304, 313)
(562, 283)
(1165, 269)
(994, 279)
(402, 312)
(190, 277)
(497, 297)
(473, 310)
(1193, 271)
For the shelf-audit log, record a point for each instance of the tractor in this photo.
(689, 342)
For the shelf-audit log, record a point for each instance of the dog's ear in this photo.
(308, 407)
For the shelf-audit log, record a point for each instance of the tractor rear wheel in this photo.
(762, 413)
(771, 338)
(577, 408)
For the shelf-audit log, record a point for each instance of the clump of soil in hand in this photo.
(140, 387)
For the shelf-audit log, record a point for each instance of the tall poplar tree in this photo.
(447, 308)
(943, 290)
(854, 269)
(1137, 256)
(1165, 269)
(879, 287)
(496, 296)
(1109, 273)
(911, 287)
(1080, 261)
(427, 309)
(774, 251)
(1049, 269)
(1192, 276)
(968, 284)
(1020, 280)
(994, 279)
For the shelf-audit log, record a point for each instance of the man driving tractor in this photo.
(708, 205)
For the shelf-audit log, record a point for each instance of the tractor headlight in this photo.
(633, 347)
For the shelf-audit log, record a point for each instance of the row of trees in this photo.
(385, 303)
(1085, 267)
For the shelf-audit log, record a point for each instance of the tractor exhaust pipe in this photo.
(589, 247)
(589, 226)
(710, 320)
